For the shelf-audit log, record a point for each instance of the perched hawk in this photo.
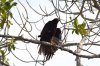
(51, 34)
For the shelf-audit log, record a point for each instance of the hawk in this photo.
(51, 34)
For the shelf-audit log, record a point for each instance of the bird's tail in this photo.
(48, 51)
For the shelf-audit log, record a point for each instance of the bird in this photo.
(50, 33)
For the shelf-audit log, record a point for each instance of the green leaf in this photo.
(1, 24)
(77, 32)
(3, 1)
(10, 0)
(3, 15)
(75, 24)
(9, 24)
(13, 47)
(9, 47)
(83, 25)
(73, 31)
(11, 44)
(14, 4)
(7, 4)
(3, 54)
(10, 14)
(83, 32)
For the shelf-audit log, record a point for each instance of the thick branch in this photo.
(46, 43)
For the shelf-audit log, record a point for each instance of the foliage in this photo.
(5, 13)
(5, 16)
(79, 28)
(11, 45)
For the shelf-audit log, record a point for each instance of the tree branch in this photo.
(46, 43)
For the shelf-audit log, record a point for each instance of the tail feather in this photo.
(48, 51)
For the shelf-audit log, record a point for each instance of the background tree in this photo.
(78, 19)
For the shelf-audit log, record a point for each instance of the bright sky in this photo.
(61, 58)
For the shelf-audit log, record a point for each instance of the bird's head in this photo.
(56, 20)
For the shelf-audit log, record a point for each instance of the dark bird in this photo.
(51, 34)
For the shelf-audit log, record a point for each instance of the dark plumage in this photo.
(48, 29)
(52, 34)
(58, 33)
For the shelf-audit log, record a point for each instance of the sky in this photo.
(61, 58)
